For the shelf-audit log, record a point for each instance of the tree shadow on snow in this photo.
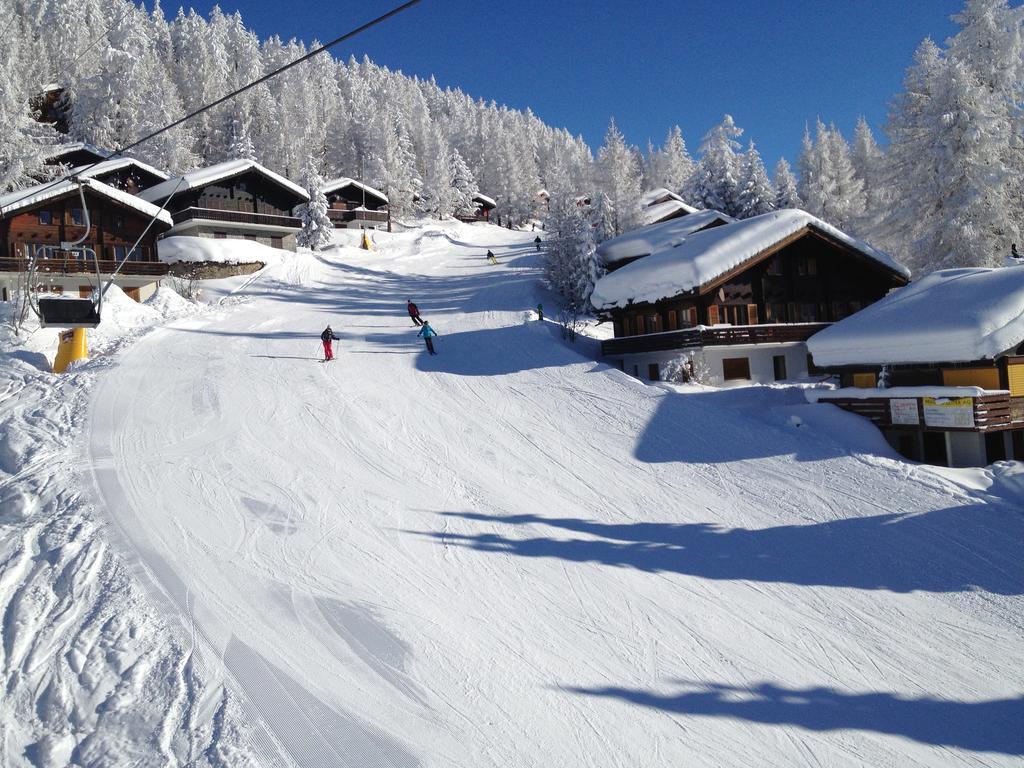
(499, 351)
(721, 426)
(965, 548)
(981, 726)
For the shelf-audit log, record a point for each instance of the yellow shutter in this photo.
(864, 380)
(986, 378)
(1015, 372)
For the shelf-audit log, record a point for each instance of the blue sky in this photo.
(773, 66)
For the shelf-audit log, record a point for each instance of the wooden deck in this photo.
(72, 266)
(342, 216)
(991, 412)
(236, 217)
(709, 336)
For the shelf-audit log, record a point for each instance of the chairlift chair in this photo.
(68, 311)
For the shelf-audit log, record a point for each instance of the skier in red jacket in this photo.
(327, 337)
(414, 313)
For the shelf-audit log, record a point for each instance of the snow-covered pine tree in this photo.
(676, 167)
(786, 195)
(239, 144)
(619, 179)
(868, 160)
(23, 141)
(716, 180)
(757, 195)
(463, 185)
(828, 185)
(602, 217)
(317, 228)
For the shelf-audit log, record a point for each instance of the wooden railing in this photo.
(342, 215)
(719, 335)
(71, 266)
(236, 217)
(991, 412)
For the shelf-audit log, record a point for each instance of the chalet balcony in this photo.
(236, 217)
(710, 336)
(343, 216)
(74, 266)
(990, 412)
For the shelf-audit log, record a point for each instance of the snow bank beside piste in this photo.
(181, 248)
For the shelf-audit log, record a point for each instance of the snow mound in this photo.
(182, 248)
(953, 315)
(170, 304)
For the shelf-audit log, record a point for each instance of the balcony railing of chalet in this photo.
(236, 217)
(992, 412)
(706, 336)
(72, 266)
(340, 214)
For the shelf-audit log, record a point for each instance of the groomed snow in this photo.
(505, 555)
(953, 315)
(30, 196)
(680, 265)
(183, 248)
(214, 173)
(343, 181)
(654, 237)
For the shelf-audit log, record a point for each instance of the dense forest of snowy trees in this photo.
(945, 190)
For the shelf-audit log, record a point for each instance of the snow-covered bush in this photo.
(688, 368)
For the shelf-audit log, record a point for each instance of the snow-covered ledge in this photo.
(867, 393)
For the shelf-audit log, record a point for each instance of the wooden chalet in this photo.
(746, 295)
(937, 366)
(484, 206)
(76, 154)
(51, 106)
(235, 199)
(48, 214)
(661, 204)
(354, 205)
(625, 249)
(124, 173)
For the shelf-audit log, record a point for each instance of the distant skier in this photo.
(327, 337)
(414, 313)
(1013, 251)
(428, 335)
(491, 258)
(540, 311)
(536, 241)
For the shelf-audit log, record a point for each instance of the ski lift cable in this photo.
(315, 52)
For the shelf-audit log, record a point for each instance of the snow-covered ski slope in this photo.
(512, 555)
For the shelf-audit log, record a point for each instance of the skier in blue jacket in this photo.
(428, 333)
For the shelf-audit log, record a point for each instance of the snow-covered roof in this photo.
(691, 262)
(950, 316)
(654, 237)
(670, 209)
(214, 173)
(344, 181)
(485, 200)
(116, 164)
(27, 198)
(76, 146)
(662, 194)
